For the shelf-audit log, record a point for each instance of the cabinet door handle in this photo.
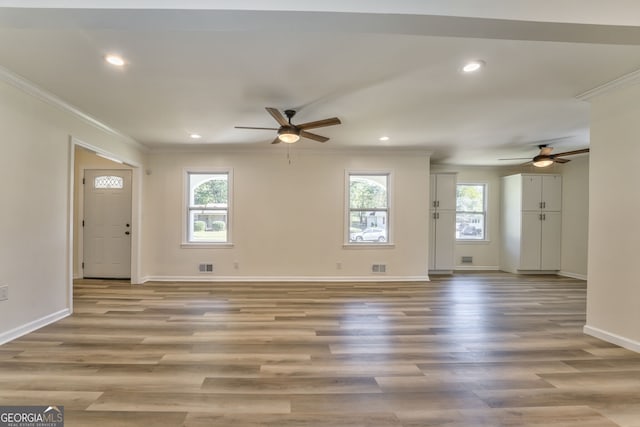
(544, 205)
(438, 204)
(434, 203)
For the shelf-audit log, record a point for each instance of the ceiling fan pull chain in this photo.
(288, 153)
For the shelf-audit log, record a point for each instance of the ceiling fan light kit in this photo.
(288, 135)
(542, 161)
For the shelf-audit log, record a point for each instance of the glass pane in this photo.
(368, 226)
(470, 226)
(208, 226)
(470, 197)
(108, 181)
(368, 191)
(209, 190)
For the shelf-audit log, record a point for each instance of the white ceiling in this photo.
(387, 69)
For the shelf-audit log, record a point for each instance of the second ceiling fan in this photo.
(290, 133)
(545, 158)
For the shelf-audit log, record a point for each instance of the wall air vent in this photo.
(205, 268)
(379, 268)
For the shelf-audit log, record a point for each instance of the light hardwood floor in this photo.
(488, 349)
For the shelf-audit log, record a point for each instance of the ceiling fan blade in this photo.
(276, 141)
(560, 160)
(276, 114)
(570, 153)
(517, 158)
(320, 123)
(251, 127)
(313, 136)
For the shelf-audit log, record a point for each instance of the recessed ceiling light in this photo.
(384, 138)
(116, 60)
(472, 66)
(195, 136)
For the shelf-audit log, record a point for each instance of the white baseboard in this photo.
(572, 275)
(32, 326)
(477, 267)
(612, 338)
(205, 278)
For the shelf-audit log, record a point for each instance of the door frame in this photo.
(74, 224)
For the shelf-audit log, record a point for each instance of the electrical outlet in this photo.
(236, 265)
(4, 293)
(338, 266)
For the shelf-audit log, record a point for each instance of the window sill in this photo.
(368, 246)
(206, 245)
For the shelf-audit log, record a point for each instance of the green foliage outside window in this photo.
(366, 195)
(211, 192)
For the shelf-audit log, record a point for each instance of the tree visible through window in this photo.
(368, 208)
(471, 212)
(208, 210)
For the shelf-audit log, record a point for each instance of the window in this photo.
(471, 211)
(368, 216)
(208, 207)
(108, 181)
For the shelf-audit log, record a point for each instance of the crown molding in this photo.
(623, 81)
(32, 89)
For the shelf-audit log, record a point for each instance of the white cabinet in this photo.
(541, 192)
(540, 246)
(442, 230)
(531, 221)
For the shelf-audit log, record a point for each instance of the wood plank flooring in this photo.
(489, 349)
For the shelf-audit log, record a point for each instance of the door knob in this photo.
(127, 233)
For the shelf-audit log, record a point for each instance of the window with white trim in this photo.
(208, 196)
(368, 208)
(471, 211)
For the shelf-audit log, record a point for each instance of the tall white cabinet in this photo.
(442, 231)
(531, 217)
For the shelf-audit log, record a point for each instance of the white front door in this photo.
(107, 224)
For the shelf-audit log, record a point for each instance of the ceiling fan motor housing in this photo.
(541, 157)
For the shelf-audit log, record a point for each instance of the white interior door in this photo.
(107, 224)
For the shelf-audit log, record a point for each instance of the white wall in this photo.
(613, 298)
(35, 216)
(575, 217)
(288, 219)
